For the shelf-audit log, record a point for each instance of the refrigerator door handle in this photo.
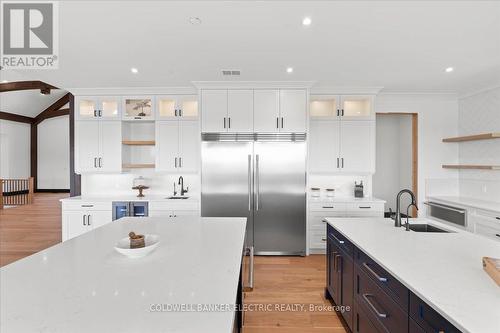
(249, 182)
(250, 274)
(257, 180)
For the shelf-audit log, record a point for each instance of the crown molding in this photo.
(479, 91)
(130, 91)
(345, 90)
(253, 84)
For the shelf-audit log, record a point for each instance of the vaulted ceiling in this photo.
(399, 45)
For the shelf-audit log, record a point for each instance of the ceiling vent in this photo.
(230, 73)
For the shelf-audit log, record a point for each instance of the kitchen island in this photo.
(189, 283)
(407, 281)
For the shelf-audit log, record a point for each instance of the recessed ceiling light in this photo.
(134, 70)
(306, 21)
(195, 20)
(449, 69)
(289, 70)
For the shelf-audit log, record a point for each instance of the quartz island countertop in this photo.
(84, 285)
(443, 269)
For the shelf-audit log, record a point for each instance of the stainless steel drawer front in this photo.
(447, 213)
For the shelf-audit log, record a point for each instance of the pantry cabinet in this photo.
(259, 110)
(342, 146)
(177, 146)
(98, 146)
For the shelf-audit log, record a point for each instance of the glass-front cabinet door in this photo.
(177, 107)
(109, 107)
(324, 107)
(138, 108)
(102, 107)
(86, 108)
(357, 107)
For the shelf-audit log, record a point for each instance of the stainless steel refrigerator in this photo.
(261, 177)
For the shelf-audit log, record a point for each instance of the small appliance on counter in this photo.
(129, 208)
(358, 190)
(140, 184)
(330, 192)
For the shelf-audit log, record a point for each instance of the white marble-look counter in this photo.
(467, 202)
(84, 285)
(345, 199)
(443, 269)
(154, 197)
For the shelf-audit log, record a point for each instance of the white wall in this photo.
(53, 153)
(437, 119)
(394, 158)
(480, 113)
(15, 142)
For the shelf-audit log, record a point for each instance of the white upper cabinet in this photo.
(324, 146)
(177, 107)
(357, 150)
(214, 114)
(266, 110)
(356, 107)
(98, 146)
(293, 106)
(96, 108)
(178, 144)
(239, 110)
(341, 107)
(138, 108)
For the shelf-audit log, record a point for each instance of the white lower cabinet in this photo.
(78, 222)
(486, 223)
(173, 213)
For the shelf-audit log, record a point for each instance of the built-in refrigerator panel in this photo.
(280, 198)
(226, 189)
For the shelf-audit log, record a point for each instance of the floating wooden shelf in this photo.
(138, 143)
(485, 136)
(468, 166)
(138, 166)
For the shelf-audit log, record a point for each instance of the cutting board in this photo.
(492, 267)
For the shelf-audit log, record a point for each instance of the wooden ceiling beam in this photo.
(53, 110)
(15, 117)
(27, 85)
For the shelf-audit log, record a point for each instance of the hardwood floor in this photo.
(279, 281)
(287, 281)
(27, 229)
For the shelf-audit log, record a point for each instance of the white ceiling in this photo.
(28, 102)
(399, 45)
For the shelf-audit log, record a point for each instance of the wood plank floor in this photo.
(27, 229)
(288, 281)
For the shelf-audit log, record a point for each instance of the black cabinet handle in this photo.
(87, 205)
(372, 272)
(338, 162)
(224, 122)
(379, 314)
(229, 120)
(365, 207)
(334, 254)
(342, 112)
(342, 162)
(281, 122)
(338, 112)
(498, 217)
(100, 113)
(327, 207)
(175, 112)
(498, 235)
(95, 113)
(277, 122)
(180, 112)
(95, 162)
(175, 162)
(84, 219)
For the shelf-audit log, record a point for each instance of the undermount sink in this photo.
(178, 198)
(426, 228)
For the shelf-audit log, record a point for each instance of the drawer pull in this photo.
(498, 235)
(87, 205)
(365, 207)
(330, 207)
(338, 240)
(498, 217)
(334, 254)
(379, 314)
(372, 272)
(323, 239)
(324, 221)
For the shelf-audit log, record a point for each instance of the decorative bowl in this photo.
(123, 246)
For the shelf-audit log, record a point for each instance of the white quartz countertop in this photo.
(84, 285)
(346, 199)
(129, 198)
(443, 269)
(468, 202)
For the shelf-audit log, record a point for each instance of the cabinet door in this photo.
(167, 107)
(361, 322)
(167, 145)
(99, 218)
(188, 107)
(77, 223)
(357, 107)
(346, 265)
(109, 107)
(87, 145)
(324, 146)
(110, 142)
(240, 110)
(333, 281)
(86, 107)
(357, 150)
(266, 105)
(324, 107)
(214, 110)
(293, 110)
(189, 146)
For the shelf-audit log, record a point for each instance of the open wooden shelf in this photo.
(485, 136)
(138, 142)
(472, 167)
(138, 166)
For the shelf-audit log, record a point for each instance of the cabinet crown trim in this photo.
(253, 84)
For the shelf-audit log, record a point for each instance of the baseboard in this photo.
(51, 190)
